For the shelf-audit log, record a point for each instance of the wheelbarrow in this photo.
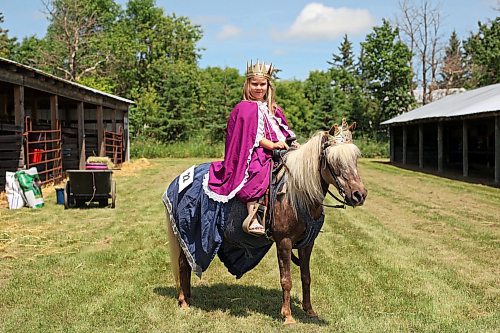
(86, 186)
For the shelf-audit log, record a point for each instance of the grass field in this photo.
(422, 255)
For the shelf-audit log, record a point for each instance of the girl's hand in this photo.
(280, 145)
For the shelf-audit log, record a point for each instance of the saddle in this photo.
(265, 204)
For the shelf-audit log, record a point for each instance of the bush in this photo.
(149, 148)
(372, 148)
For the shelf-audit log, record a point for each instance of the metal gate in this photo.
(43, 151)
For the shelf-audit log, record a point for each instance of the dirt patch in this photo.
(130, 168)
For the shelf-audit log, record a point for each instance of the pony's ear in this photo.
(352, 127)
(333, 130)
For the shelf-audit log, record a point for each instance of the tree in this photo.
(385, 68)
(482, 51)
(421, 24)
(318, 91)
(348, 86)
(7, 45)
(157, 60)
(75, 40)
(452, 70)
(290, 96)
(220, 91)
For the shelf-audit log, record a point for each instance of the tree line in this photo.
(143, 54)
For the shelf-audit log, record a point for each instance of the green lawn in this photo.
(422, 255)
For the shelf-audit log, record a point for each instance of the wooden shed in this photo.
(458, 135)
(54, 124)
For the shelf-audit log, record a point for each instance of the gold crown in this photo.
(259, 69)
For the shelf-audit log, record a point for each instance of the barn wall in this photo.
(478, 152)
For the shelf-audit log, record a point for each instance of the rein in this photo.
(322, 161)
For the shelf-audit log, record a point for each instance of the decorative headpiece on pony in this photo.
(259, 69)
(342, 133)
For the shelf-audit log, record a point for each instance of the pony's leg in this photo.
(184, 281)
(284, 248)
(305, 276)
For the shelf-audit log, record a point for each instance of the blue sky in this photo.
(297, 36)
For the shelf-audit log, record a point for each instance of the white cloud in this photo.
(317, 21)
(228, 31)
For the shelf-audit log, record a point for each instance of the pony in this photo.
(327, 158)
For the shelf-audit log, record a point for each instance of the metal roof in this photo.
(95, 91)
(484, 99)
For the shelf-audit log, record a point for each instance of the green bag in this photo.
(28, 180)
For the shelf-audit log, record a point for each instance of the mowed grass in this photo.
(422, 255)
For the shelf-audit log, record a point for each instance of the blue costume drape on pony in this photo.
(205, 228)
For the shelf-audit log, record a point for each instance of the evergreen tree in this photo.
(7, 45)
(290, 96)
(220, 91)
(385, 68)
(482, 51)
(452, 70)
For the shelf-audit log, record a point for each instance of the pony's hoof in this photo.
(289, 320)
(311, 314)
(183, 305)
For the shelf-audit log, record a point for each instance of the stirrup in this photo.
(254, 217)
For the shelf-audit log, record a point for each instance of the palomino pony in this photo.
(327, 158)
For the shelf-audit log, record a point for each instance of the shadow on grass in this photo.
(475, 176)
(241, 301)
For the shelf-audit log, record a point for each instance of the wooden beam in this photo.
(440, 146)
(113, 120)
(126, 136)
(497, 150)
(465, 149)
(54, 111)
(405, 140)
(3, 105)
(19, 117)
(62, 89)
(420, 146)
(100, 131)
(34, 110)
(19, 106)
(391, 144)
(80, 109)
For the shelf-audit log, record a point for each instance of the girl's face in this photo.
(258, 88)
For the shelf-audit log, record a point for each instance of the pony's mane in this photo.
(303, 164)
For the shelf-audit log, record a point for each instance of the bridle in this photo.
(323, 162)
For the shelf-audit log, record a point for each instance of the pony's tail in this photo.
(175, 251)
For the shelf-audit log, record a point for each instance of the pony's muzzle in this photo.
(358, 197)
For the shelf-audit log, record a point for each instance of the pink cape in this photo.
(246, 168)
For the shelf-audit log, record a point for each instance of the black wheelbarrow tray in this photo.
(86, 186)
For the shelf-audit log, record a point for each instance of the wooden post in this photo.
(465, 149)
(3, 105)
(440, 146)
(391, 144)
(126, 136)
(497, 149)
(54, 111)
(113, 120)
(100, 130)
(81, 132)
(19, 117)
(405, 139)
(420, 146)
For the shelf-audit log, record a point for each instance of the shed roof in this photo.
(39, 72)
(480, 100)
